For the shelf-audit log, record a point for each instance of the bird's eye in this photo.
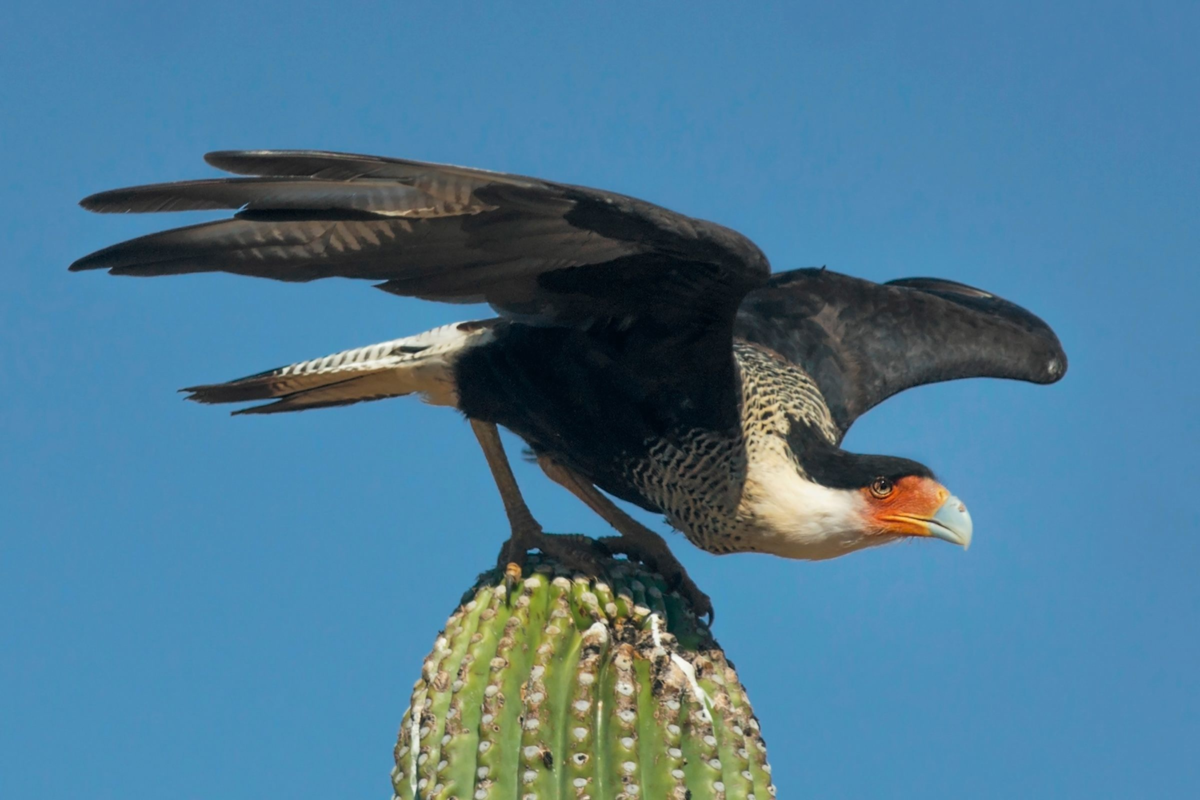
(882, 487)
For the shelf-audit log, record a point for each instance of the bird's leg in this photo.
(574, 551)
(525, 529)
(636, 540)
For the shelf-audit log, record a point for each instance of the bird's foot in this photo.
(663, 561)
(574, 551)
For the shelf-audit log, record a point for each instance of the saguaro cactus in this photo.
(578, 687)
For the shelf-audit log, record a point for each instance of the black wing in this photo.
(863, 342)
(553, 253)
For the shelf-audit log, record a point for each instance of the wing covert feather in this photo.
(863, 342)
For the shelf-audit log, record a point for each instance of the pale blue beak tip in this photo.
(952, 523)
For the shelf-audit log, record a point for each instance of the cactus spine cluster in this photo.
(603, 687)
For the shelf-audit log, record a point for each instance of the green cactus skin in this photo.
(587, 688)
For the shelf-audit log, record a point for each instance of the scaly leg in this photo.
(574, 551)
(636, 540)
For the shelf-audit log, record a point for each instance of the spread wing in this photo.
(535, 250)
(863, 342)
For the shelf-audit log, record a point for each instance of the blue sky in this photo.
(203, 607)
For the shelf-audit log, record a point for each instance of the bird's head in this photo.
(892, 498)
(908, 503)
(846, 501)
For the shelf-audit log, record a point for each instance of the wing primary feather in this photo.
(538, 251)
(350, 166)
(300, 194)
(940, 285)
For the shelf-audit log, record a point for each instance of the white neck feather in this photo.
(796, 518)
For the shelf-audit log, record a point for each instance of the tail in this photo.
(421, 364)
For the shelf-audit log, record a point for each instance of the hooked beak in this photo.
(926, 508)
(951, 523)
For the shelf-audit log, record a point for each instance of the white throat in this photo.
(796, 518)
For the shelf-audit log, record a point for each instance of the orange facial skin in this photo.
(907, 508)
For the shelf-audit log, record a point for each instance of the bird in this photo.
(639, 353)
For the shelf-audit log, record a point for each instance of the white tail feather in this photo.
(420, 364)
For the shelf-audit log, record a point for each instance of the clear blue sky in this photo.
(193, 606)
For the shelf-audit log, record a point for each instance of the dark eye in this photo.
(881, 487)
